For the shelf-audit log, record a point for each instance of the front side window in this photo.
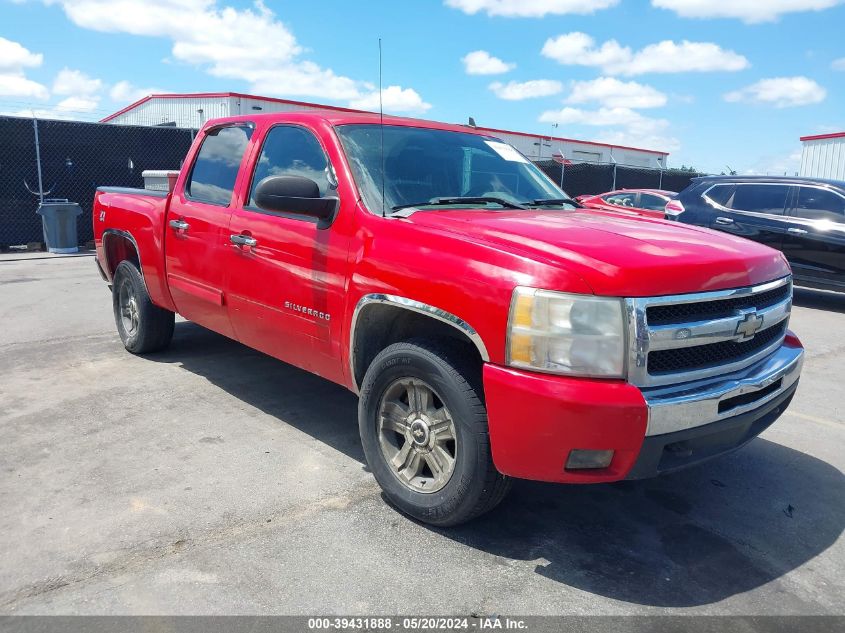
(421, 165)
(820, 204)
(760, 198)
(721, 194)
(652, 202)
(216, 166)
(291, 151)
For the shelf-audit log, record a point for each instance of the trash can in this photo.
(59, 220)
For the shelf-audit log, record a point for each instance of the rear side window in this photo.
(291, 151)
(759, 198)
(820, 204)
(216, 166)
(622, 199)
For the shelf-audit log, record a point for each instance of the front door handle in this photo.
(179, 225)
(723, 220)
(796, 231)
(243, 240)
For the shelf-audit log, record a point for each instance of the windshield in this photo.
(423, 164)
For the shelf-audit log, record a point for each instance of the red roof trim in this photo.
(571, 140)
(821, 137)
(241, 95)
(126, 109)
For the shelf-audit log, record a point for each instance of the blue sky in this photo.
(714, 82)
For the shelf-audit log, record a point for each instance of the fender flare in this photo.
(127, 236)
(414, 306)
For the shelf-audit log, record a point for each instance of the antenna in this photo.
(381, 126)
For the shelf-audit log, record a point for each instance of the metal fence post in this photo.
(614, 176)
(660, 185)
(38, 160)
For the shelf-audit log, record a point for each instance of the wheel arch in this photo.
(118, 246)
(380, 320)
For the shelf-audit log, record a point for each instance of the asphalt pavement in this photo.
(211, 479)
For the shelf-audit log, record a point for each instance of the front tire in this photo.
(424, 431)
(143, 326)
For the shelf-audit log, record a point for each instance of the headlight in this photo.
(579, 335)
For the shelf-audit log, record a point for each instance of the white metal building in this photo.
(823, 156)
(192, 110)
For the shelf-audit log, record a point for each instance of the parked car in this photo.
(802, 217)
(651, 202)
(491, 328)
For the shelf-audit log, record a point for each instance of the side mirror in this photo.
(295, 194)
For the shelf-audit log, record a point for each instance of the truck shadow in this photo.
(684, 540)
(315, 406)
(689, 539)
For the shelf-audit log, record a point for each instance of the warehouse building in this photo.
(192, 110)
(823, 156)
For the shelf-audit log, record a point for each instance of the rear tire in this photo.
(424, 431)
(143, 326)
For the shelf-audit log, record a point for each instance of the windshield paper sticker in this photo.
(507, 152)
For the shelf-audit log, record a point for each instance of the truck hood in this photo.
(616, 254)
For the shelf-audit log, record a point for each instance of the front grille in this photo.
(715, 309)
(670, 361)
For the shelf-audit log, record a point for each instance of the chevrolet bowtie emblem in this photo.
(748, 326)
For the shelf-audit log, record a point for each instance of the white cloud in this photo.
(627, 127)
(838, 64)
(530, 8)
(600, 117)
(126, 92)
(579, 49)
(77, 104)
(14, 59)
(747, 10)
(14, 85)
(483, 63)
(519, 90)
(394, 99)
(74, 82)
(71, 108)
(775, 165)
(249, 44)
(781, 92)
(613, 93)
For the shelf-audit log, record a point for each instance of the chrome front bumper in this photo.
(694, 404)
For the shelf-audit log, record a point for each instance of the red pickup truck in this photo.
(491, 328)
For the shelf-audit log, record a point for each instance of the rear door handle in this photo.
(723, 220)
(179, 225)
(796, 231)
(243, 240)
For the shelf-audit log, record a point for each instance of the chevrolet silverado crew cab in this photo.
(491, 328)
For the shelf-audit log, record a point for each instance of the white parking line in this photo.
(812, 418)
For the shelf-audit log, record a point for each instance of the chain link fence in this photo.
(75, 159)
(580, 178)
